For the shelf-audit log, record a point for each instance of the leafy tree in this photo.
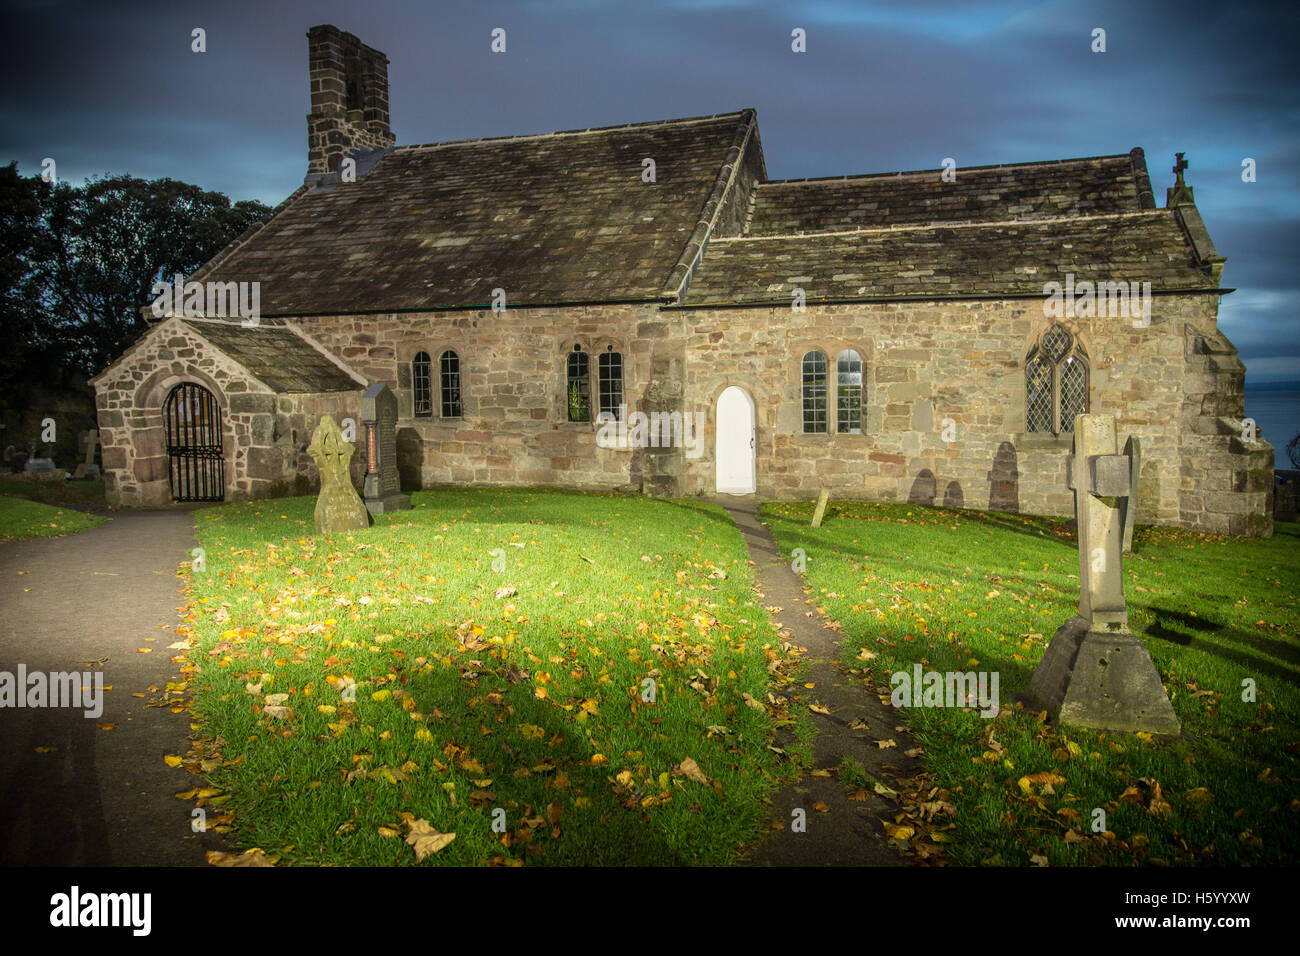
(24, 244)
(113, 239)
(76, 265)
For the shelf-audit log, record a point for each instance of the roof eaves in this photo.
(953, 297)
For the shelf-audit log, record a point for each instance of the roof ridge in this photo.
(857, 177)
(963, 224)
(679, 279)
(574, 132)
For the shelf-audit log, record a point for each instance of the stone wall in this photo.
(923, 363)
(1176, 384)
(514, 428)
(264, 435)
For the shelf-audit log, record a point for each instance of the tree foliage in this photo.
(80, 261)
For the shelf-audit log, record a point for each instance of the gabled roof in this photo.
(993, 259)
(1063, 188)
(277, 355)
(555, 218)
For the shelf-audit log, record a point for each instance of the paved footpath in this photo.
(103, 797)
(849, 832)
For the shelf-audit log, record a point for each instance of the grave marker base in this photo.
(1102, 680)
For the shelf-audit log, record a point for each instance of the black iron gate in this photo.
(192, 418)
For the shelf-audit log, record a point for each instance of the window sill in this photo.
(1043, 441)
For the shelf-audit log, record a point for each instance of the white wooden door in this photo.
(734, 448)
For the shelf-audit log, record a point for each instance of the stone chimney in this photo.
(349, 99)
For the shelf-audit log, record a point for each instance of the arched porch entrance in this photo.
(196, 463)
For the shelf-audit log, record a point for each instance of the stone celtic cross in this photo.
(339, 507)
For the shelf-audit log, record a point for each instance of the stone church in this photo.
(921, 336)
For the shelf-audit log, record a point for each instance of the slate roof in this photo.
(277, 355)
(565, 218)
(1069, 187)
(560, 217)
(1004, 258)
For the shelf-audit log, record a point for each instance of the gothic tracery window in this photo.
(1056, 382)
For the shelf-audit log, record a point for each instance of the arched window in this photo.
(579, 386)
(421, 385)
(814, 393)
(611, 382)
(848, 393)
(1056, 382)
(449, 380)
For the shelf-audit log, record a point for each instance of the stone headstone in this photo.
(1128, 507)
(1284, 494)
(820, 512)
(39, 464)
(1096, 673)
(339, 507)
(382, 487)
(89, 441)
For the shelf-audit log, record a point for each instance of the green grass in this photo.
(22, 520)
(963, 591)
(77, 495)
(466, 704)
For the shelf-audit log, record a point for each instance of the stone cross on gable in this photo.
(1179, 193)
(1096, 673)
(1180, 164)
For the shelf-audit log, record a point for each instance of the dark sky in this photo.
(113, 87)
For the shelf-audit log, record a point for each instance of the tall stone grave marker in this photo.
(339, 507)
(88, 468)
(1096, 673)
(382, 488)
(1128, 507)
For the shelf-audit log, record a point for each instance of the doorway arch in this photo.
(196, 464)
(734, 462)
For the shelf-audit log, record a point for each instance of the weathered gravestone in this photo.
(88, 441)
(820, 511)
(382, 487)
(339, 507)
(1129, 504)
(1096, 673)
